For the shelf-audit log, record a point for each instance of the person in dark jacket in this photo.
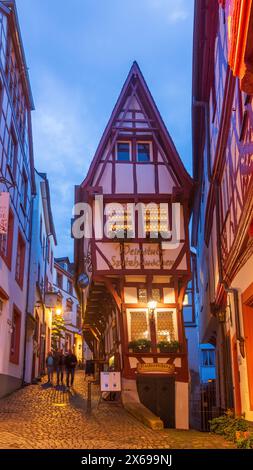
(59, 365)
(50, 367)
(70, 364)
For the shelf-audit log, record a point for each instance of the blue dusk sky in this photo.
(79, 53)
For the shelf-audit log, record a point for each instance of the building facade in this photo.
(71, 310)
(223, 210)
(136, 187)
(39, 312)
(17, 186)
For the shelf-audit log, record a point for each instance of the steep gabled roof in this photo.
(135, 76)
(47, 207)
(9, 8)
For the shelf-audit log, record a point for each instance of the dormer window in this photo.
(143, 152)
(123, 151)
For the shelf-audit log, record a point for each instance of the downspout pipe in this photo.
(27, 292)
(205, 106)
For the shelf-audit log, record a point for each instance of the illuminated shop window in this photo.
(165, 329)
(139, 325)
(120, 221)
(156, 220)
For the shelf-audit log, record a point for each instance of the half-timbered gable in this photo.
(138, 253)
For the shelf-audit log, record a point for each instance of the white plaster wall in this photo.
(241, 282)
(182, 405)
(17, 296)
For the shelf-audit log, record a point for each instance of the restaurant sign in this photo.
(155, 368)
(4, 212)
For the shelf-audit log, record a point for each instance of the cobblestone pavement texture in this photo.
(42, 417)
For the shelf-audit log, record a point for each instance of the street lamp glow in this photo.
(58, 311)
(152, 304)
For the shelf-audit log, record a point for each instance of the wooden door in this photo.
(158, 395)
(247, 310)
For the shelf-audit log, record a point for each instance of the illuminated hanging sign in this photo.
(4, 212)
(157, 368)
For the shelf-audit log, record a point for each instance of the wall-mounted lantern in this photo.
(221, 314)
(151, 308)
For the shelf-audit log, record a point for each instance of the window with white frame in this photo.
(143, 152)
(123, 152)
(208, 358)
(165, 326)
(138, 325)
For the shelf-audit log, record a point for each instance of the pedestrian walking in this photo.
(60, 369)
(50, 367)
(59, 365)
(70, 364)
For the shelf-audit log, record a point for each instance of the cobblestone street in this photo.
(39, 417)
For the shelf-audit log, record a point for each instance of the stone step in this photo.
(144, 415)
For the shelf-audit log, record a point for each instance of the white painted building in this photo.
(71, 310)
(39, 316)
(17, 180)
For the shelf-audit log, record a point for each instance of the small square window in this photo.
(142, 295)
(143, 152)
(123, 151)
(156, 295)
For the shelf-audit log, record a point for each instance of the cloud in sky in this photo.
(62, 130)
(79, 54)
(173, 11)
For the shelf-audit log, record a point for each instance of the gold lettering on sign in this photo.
(133, 256)
(155, 367)
(132, 263)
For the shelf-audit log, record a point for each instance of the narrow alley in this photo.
(38, 417)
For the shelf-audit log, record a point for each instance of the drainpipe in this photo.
(27, 292)
(205, 106)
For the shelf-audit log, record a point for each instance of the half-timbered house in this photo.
(17, 187)
(223, 210)
(137, 254)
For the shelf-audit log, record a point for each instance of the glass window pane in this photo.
(156, 295)
(123, 152)
(142, 295)
(139, 325)
(211, 358)
(143, 152)
(165, 326)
